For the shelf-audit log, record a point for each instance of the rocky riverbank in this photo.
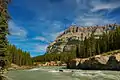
(16, 67)
(105, 61)
(51, 63)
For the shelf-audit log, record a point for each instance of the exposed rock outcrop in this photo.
(74, 34)
(16, 67)
(98, 62)
(51, 63)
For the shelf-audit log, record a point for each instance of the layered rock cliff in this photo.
(74, 34)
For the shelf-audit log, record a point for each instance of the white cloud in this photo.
(56, 25)
(40, 48)
(54, 35)
(91, 21)
(53, 30)
(100, 5)
(77, 1)
(89, 15)
(16, 30)
(53, 26)
(83, 12)
(41, 38)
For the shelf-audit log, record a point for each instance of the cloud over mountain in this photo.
(40, 21)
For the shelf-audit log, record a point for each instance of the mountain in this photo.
(67, 41)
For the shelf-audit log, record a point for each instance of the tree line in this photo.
(63, 57)
(108, 41)
(18, 56)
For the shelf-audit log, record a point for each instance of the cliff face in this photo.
(106, 61)
(74, 34)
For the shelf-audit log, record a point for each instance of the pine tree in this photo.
(3, 33)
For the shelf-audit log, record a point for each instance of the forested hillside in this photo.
(19, 57)
(106, 42)
(9, 53)
(63, 57)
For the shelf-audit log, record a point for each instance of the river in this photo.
(54, 74)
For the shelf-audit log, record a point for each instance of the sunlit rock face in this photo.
(74, 34)
(98, 62)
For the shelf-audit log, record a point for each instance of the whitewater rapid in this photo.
(55, 74)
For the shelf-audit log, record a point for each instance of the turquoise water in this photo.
(46, 73)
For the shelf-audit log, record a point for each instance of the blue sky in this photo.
(36, 23)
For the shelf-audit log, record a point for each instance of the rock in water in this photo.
(60, 70)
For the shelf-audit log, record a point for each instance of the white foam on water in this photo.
(85, 73)
(67, 71)
(108, 76)
(54, 71)
(34, 69)
(99, 75)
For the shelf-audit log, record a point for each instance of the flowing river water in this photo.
(54, 74)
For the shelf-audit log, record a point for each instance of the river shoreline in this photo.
(53, 73)
(105, 61)
(16, 67)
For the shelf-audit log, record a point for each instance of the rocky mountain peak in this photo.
(77, 33)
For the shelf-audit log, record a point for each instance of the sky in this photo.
(34, 24)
